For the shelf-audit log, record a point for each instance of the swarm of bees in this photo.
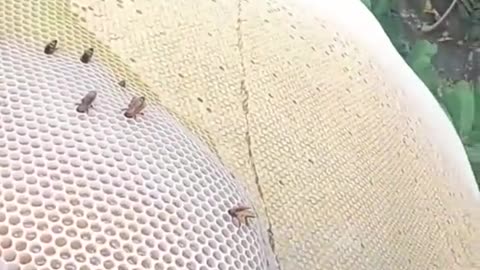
(136, 105)
(241, 215)
(51, 47)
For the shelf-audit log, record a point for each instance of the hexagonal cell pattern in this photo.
(99, 191)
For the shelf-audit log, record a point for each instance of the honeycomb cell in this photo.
(89, 190)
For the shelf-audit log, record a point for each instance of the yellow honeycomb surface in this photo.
(342, 169)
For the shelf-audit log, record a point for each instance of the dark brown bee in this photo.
(51, 47)
(87, 56)
(86, 102)
(122, 83)
(241, 215)
(136, 105)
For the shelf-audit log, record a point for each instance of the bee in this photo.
(86, 102)
(241, 215)
(122, 83)
(87, 56)
(51, 47)
(136, 105)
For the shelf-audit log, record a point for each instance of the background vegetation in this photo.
(446, 58)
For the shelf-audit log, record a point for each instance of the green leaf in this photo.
(473, 153)
(393, 27)
(422, 49)
(429, 76)
(420, 60)
(446, 111)
(426, 72)
(472, 138)
(381, 7)
(367, 3)
(460, 102)
(476, 124)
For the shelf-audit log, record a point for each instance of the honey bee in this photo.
(86, 102)
(87, 56)
(136, 105)
(51, 47)
(241, 215)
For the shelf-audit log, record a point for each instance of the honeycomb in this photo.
(99, 191)
(356, 165)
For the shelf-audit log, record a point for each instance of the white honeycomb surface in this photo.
(339, 159)
(100, 191)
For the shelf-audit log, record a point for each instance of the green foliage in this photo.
(420, 60)
(381, 7)
(460, 100)
(470, 12)
(367, 3)
(476, 91)
(472, 142)
(392, 24)
(473, 153)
